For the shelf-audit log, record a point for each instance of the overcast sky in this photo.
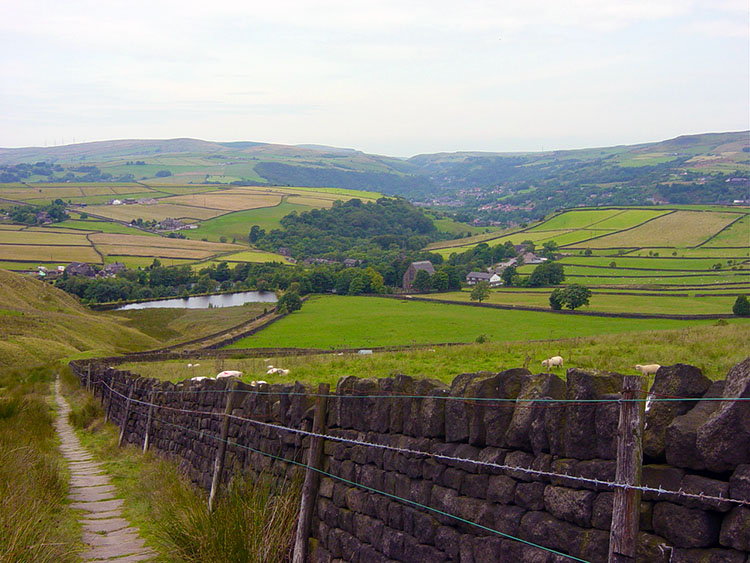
(396, 78)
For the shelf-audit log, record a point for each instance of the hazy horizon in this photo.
(388, 79)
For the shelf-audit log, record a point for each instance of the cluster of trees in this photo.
(30, 214)
(57, 173)
(351, 227)
(741, 307)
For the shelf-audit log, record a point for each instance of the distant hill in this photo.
(501, 187)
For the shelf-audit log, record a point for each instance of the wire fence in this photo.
(455, 459)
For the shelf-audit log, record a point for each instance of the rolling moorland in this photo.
(489, 188)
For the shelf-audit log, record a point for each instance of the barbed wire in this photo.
(454, 459)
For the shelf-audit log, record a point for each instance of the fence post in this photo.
(109, 404)
(126, 416)
(219, 462)
(88, 378)
(312, 478)
(147, 437)
(623, 537)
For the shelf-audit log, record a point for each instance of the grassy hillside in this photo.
(39, 323)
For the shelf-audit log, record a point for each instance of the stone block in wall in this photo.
(735, 529)
(475, 485)
(368, 529)
(661, 476)
(417, 418)
(369, 554)
(447, 541)
(530, 495)
(486, 550)
(590, 545)
(686, 527)
(716, 555)
(501, 488)
(495, 417)
(679, 380)
(466, 548)
(507, 518)
(526, 412)
(392, 544)
(681, 435)
(544, 529)
(580, 437)
(724, 439)
(607, 422)
(695, 484)
(599, 469)
(653, 549)
(739, 483)
(433, 412)
(522, 460)
(569, 504)
(564, 466)
(350, 547)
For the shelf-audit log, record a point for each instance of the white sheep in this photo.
(283, 372)
(269, 366)
(647, 369)
(201, 378)
(552, 362)
(274, 371)
(257, 383)
(228, 373)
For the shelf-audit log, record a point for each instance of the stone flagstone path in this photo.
(108, 536)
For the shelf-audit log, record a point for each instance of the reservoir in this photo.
(205, 301)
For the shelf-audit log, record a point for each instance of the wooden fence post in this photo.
(109, 404)
(312, 478)
(147, 437)
(623, 536)
(88, 378)
(126, 416)
(219, 462)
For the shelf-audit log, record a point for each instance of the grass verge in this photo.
(36, 523)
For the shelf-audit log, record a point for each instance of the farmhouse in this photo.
(170, 224)
(114, 268)
(473, 278)
(411, 273)
(531, 258)
(80, 269)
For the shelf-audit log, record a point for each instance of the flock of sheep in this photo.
(549, 363)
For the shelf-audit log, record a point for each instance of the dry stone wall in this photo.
(386, 504)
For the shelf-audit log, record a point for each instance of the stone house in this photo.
(411, 273)
(473, 278)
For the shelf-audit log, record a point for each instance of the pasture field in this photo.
(102, 227)
(133, 262)
(714, 349)
(678, 229)
(47, 253)
(356, 322)
(605, 302)
(237, 225)
(736, 235)
(41, 237)
(156, 212)
(254, 256)
(229, 200)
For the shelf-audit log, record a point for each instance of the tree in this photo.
(572, 297)
(481, 291)
(576, 295)
(741, 307)
(556, 300)
(548, 273)
(289, 302)
(550, 248)
(509, 276)
(256, 233)
(422, 281)
(440, 281)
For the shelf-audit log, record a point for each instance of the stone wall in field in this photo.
(390, 503)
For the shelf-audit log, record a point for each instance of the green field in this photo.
(610, 303)
(356, 322)
(714, 349)
(101, 227)
(237, 225)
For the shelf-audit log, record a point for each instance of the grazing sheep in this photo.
(554, 361)
(269, 366)
(200, 378)
(257, 383)
(190, 365)
(647, 369)
(283, 372)
(228, 373)
(274, 371)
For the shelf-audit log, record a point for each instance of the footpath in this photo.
(107, 535)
